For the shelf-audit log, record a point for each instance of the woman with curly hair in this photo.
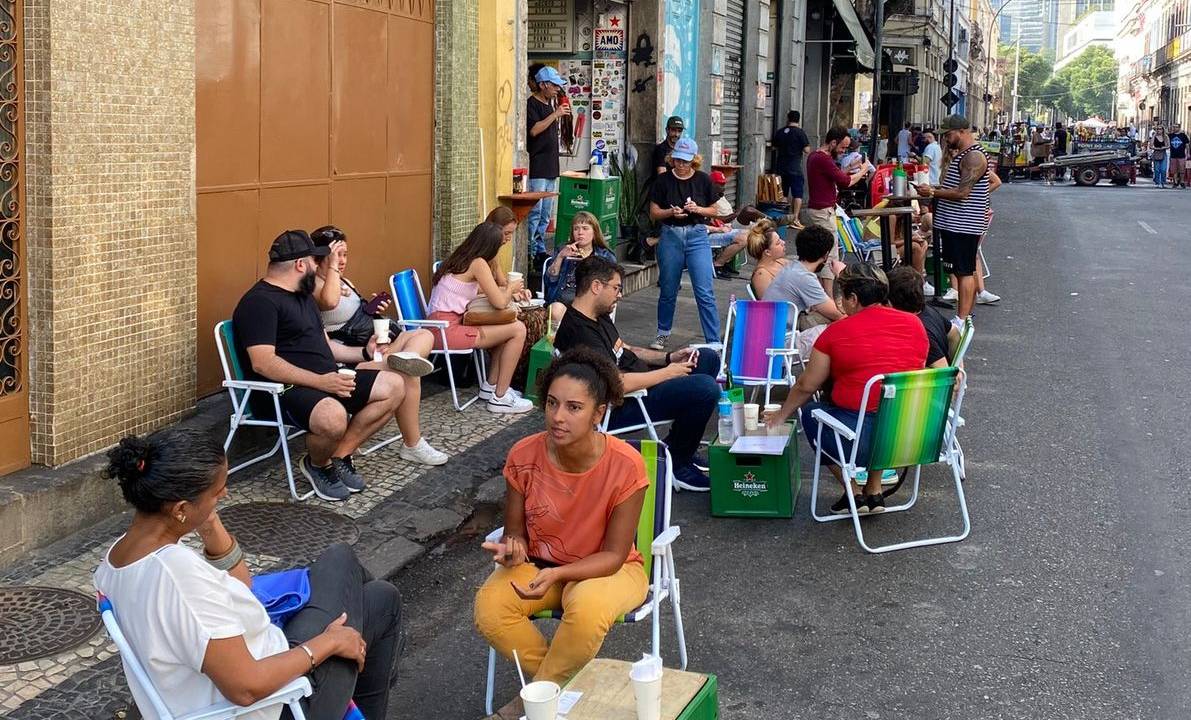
(571, 510)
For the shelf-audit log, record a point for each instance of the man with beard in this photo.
(824, 179)
(278, 330)
(661, 152)
(962, 207)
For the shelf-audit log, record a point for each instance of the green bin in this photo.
(755, 486)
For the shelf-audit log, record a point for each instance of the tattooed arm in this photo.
(972, 168)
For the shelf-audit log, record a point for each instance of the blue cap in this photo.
(549, 74)
(684, 149)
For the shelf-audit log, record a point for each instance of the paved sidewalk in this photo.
(407, 510)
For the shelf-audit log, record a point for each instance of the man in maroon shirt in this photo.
(824, 179)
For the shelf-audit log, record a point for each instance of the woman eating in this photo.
(769, 250)
(460, 279)
(586, 239)
(192, 618)
(342, 310)
(572, 506)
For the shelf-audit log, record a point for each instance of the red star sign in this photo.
(615, 21)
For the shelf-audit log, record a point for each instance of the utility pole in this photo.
(1016, 70)
(879, 54)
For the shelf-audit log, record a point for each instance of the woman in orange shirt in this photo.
(571, 511)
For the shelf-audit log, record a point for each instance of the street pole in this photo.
(1016, 70)
(878, 53)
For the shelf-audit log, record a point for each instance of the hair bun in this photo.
(127, 461)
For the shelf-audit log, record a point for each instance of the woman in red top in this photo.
(571, 510)
(873, 339)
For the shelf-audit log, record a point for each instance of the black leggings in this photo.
(338, 584)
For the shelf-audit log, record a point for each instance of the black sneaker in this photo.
(700, 461)
(347, 473)
(689, 477)
(725, 272)
(325, 481)
(873, 503)
(841, 506)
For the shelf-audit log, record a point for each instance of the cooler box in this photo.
(756, 486)
(598, 197)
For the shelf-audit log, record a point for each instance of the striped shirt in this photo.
(963, 216)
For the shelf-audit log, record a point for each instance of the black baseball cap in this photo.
(295, 244)
(675, 122)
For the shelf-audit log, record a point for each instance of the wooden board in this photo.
(608, 692)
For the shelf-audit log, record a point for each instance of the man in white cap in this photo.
(541, 141)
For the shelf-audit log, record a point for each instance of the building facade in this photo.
(1153, 46)
(1095, 28)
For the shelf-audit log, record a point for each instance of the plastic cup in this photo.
(541, 700)
(514, 276)
(751, 413)
(380, 328)
(769, 411)
(347, 371)
(649, 698)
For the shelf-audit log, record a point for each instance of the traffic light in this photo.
(912, 88)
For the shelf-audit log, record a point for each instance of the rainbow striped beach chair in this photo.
(411, 313)
(851, 238)
(762, 344)
(655, 535)
(911, 430)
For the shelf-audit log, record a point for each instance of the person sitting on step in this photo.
(192, 618)
(682, 386)
(344, 316)
(278, 330)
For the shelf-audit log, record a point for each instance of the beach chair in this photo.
(956, 421)
(138, 678)
(411, 313)
(910, 431)
(761, 344)
(655, 535)
(850, 233)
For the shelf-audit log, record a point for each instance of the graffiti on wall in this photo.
(680, 47)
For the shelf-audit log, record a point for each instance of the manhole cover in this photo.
(36, 622)
(287, 530)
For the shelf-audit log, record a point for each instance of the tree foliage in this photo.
(1090, 81)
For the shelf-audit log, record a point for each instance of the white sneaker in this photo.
(927, 288)
(409, 363)
(509, 403)
(423, 453)
(984, 297)
(951, 295)
(958, 322)
(488, 390)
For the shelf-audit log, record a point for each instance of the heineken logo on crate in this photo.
(580, 202)
(748, 486)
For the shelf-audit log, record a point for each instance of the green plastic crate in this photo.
(598, 197)
(610, 225)
(930, 275)
(706, 703)
(540, 356)
(755, 486)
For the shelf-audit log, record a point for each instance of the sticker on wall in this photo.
(607, 85)
(762, 96)
(573, 132)
(714, 121)
(717, 60)
(717, 91)
(717, 148)
(721, 7)
(609, 42)
(719, 30)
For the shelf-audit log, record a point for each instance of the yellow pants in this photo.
(589, 608)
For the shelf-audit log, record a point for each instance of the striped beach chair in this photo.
(850, 233)
(956, 421)
(762, 344)
(655, 535)
(411, 313)
(911, 430)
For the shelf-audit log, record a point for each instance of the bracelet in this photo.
(309, 654)
(228, 560)
(667, 358)
(364, 354)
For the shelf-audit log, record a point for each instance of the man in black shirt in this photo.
(792, 144)
(661, 152)
(905, 294)
(278, 331)
(1178, 156)
(541, 142)
(682, 386)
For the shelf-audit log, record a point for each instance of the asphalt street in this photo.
(1071, 597)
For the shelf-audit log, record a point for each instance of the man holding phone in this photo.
(681, 384)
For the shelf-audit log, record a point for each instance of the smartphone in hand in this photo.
(373, 306)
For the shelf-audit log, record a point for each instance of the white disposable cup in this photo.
(380, 328)
(751, 413)
(769, 411)
(347, 371)
(541, 700)
(515, 276)
(649, 698)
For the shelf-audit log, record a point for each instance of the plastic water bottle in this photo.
(726, 427)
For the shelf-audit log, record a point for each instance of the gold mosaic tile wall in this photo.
(111, 222)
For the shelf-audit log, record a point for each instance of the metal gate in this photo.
(733, 66)
(14, 357)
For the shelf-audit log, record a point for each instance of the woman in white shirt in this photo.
(192, 619)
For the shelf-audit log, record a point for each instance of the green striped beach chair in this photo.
(655, 535)
(956, 420)
(911, 430)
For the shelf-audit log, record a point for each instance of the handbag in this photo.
(480, 312)
(357, 331)
(282, 593)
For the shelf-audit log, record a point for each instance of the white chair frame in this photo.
(663, 586)
(290, 694)
(241, 416)
(439, 328)
(849, 468)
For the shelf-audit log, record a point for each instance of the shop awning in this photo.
(864, 51)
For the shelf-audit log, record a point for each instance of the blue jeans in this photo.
(688, 401)
(1160, 167)
(687, 247)
(810, 427)
(539, 217)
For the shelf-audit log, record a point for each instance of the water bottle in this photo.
(726, 427)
